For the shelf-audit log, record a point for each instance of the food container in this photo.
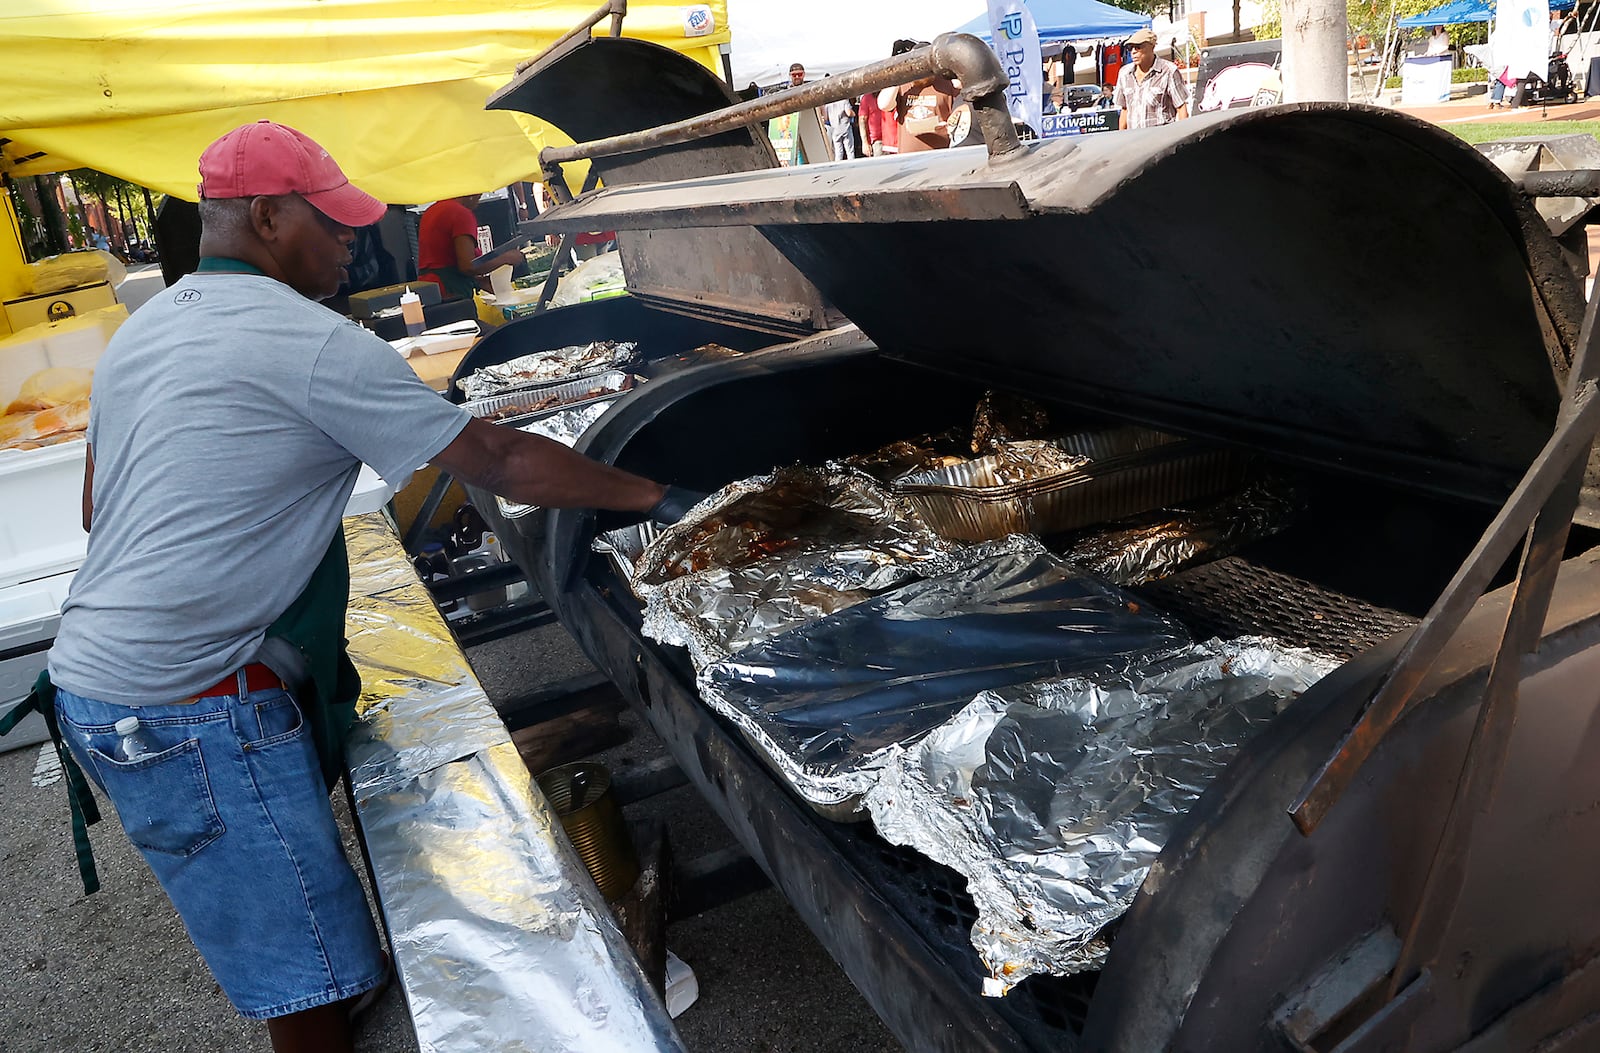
(567, 394)
(1131, 470)
(626, 544)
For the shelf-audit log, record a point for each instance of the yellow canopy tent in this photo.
(393, 88)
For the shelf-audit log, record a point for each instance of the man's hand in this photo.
(675, 504)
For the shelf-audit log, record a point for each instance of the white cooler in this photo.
(42, 544)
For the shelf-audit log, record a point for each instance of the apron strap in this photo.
(85, 813)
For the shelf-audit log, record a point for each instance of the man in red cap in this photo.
(231, 415)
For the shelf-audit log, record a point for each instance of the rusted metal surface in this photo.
(1311, 1012)
(1568, 446)
(615, 10)
(1579, 183)
(828, 196)
(955, 55)
(1561, 1016)
(1545, 502)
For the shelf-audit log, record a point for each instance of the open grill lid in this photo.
(593, 87)
(1339, 284)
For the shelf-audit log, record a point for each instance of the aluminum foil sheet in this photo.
(1054, 798)
(1137, 551)
(754, 519)
(562, 363)
(499, 937)
(829, 702)
(498, 947)
(717, 612)
(564, 426)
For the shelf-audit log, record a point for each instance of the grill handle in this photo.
(956, 55)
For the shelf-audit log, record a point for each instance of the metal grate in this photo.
(1234, 597)
(1048, 1012)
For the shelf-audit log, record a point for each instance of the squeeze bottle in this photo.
(411, 311)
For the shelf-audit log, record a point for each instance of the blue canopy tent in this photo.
(1063, 20)
(1458, 11)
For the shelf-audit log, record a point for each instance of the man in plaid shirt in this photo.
(1150, 91)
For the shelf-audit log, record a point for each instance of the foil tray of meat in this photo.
(546, 367)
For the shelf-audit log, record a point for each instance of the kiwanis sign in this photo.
(1077, 123)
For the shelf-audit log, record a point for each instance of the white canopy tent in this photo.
(831, 36)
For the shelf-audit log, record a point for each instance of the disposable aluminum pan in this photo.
(569, 393)
(965, 502)
(626, 545)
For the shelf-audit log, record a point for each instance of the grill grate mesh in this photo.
(1234, 597)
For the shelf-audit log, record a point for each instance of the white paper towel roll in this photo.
(500, 282)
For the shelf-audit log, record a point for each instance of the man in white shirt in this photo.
(1150, 91)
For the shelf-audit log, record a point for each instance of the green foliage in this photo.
(1371, 19)
(1392, 82)
(1487, 131)
(1144, 7)
(1468, 75)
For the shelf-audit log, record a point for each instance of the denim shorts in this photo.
(232, 815)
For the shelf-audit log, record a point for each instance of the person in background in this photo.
(447, 243)
(1438, 42)
(797, 75)
(921, 109)
(840, 116)
(871, 118)
(211, 603)
(1150, 91)
(1107, 99)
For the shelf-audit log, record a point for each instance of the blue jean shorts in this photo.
(232, 815)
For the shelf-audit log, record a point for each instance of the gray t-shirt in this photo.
(229, 420)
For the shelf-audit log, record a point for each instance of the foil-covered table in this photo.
(500, 940)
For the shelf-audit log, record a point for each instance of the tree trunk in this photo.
(1315, 68)
(55, 224)
(149, 217)
(1235, 21)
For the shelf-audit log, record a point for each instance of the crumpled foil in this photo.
(754, 519)
(828, 702)
(564, 426)
(562, 363)
(1149, 547)
(1054, 798)
(500, 938)
(717, 612)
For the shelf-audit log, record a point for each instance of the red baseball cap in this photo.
(266, 159)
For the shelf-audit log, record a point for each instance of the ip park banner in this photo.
(1016, 43)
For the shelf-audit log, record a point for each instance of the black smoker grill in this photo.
(1355, 296)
